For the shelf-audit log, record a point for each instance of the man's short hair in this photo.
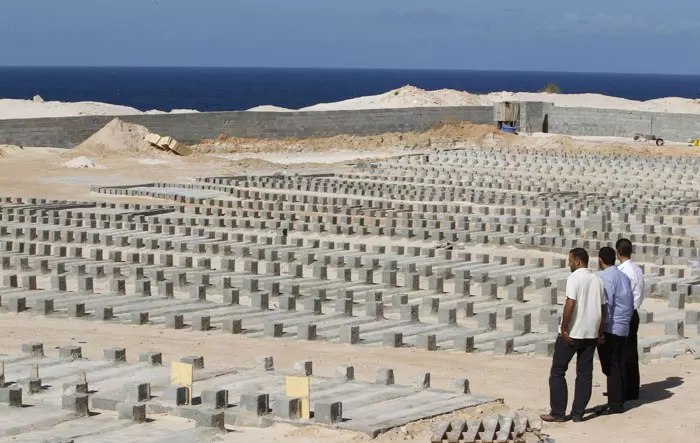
(624, 247)
(607, 255)
(580, 254)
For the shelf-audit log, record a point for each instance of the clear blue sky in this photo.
(561, 35)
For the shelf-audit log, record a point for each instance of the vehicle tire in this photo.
(637, 137)
(659, 142)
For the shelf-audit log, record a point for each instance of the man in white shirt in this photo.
(630, 353)
(582, 328)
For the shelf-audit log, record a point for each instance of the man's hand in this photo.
(566, 338)
(601, 340)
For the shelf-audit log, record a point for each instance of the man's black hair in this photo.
(580, 254)
(624, 247)
(607, 255)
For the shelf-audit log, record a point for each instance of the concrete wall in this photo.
(618, 123)
(68, 132)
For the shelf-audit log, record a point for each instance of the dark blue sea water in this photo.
(219, 89)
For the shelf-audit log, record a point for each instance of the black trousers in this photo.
(631, 358)
(613, 363)
(558, 389)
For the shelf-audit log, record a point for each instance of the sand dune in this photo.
(404, 97)
(16, 109)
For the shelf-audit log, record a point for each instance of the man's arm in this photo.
(601, 328)
(568, 312)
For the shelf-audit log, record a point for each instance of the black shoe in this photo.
(613, 410)
(577, 419)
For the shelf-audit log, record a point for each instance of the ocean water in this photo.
(221, 89)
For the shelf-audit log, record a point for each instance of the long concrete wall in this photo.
(619, 123)
(68, 132)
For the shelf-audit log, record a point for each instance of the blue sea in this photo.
(223, 89)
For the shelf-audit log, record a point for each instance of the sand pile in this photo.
(269, 108)
(411, 96)
(405, 97)
(82, 163)
(117, 138)
(9, 150)
(13, 109)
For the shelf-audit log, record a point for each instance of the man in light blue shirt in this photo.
(618, 293)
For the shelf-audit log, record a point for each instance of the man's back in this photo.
(620, 301)
(636, 276)
(587, 290)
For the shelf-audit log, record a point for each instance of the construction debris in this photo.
(168, 144)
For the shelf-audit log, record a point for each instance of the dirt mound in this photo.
(441, 136)
(9, 150)
(117, 138)
(82, 163)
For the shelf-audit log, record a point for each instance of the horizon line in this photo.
(329, 68)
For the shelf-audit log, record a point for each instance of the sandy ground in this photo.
(670, 400)
(667, 411)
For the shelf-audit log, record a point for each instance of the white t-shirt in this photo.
(636, 276)
(588, 291)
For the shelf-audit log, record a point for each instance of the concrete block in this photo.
(426, 342)
(152, 358)
(503, 346)
(522, 322)
(232, 326)
(132, 412)
(487, 320)
(274, 329)
(385, 376)
(115, 354)
(691, 317)
(17, 305)
(516, 293)
(215, 399)
(345, 373)
(410, 313)
(464, 343)
(545, 348)
(264, 364)
(70, 353)
(11, 396)
(350, 334)
(261, 301)
(674, 328)
(139, 318)
(201, 323)
(304, 368)
(76, 403)
(461, 385)
(256, 404)
(197, 362)
(392, 339)
(137, 393)
(174, 321)
(35, 349)
(328, 413)
(646, 317)
(447, 316)
(676, 300)
(176, 395)
(307, 332)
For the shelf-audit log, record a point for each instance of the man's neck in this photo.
(625, 259)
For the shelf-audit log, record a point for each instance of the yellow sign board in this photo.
(300, 387)
(183, 375)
